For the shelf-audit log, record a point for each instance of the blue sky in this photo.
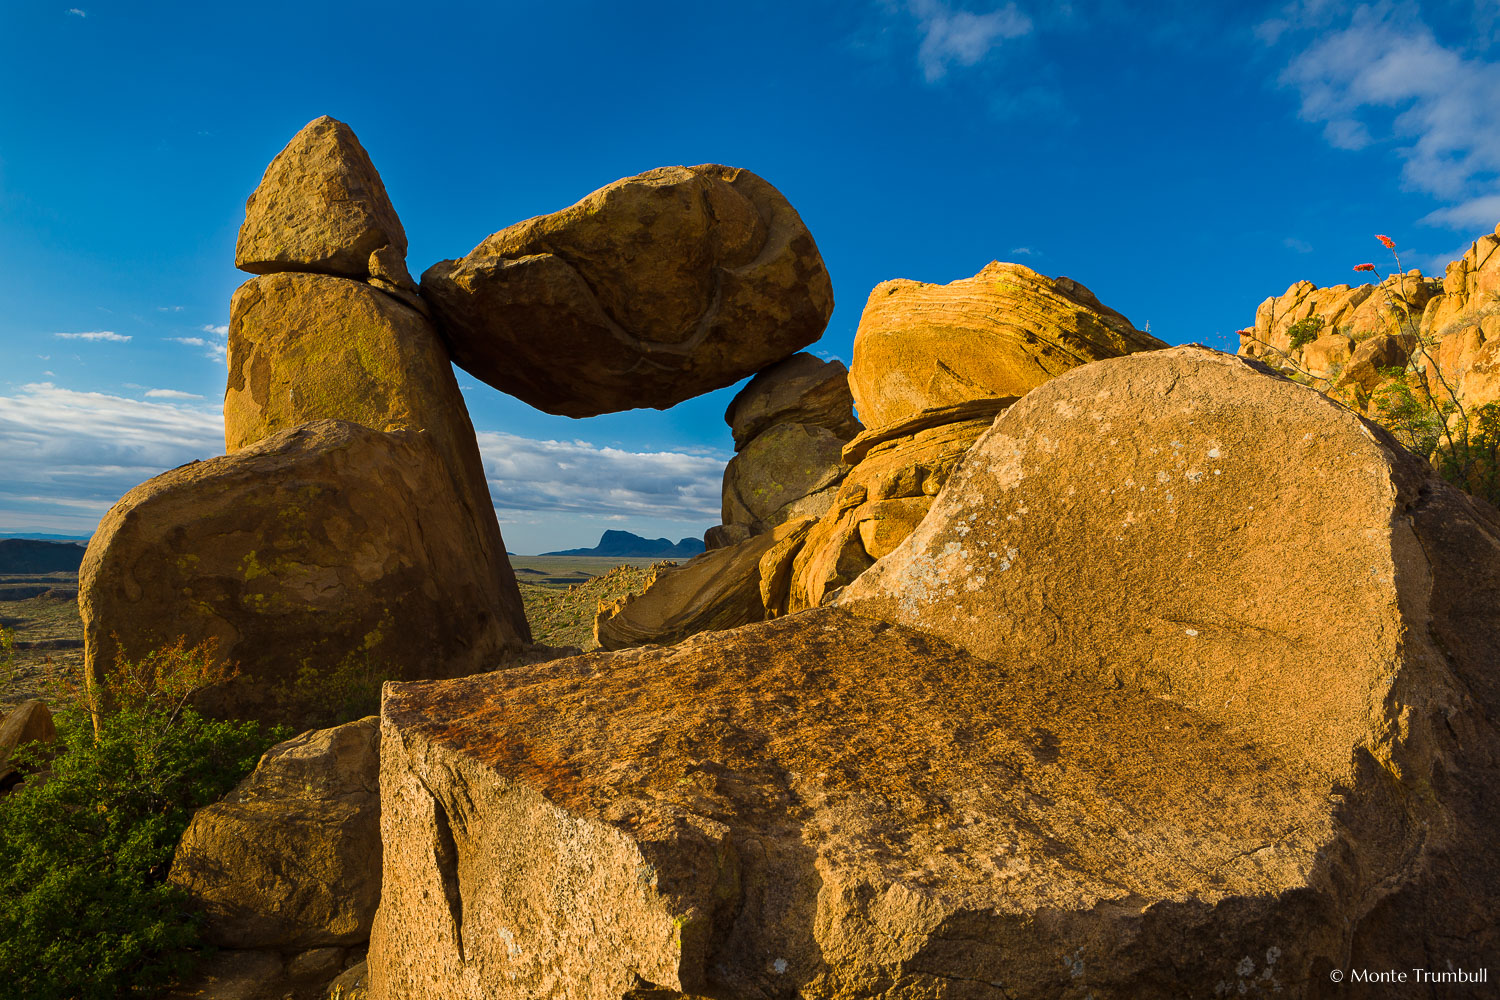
(1183, 160)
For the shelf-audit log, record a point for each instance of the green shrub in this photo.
(1304, 331)
(86, 912)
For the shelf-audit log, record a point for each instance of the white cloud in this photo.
(78, 13)
(1296, 245)
(171, 394)
(1025, 251)
(1381, 73)
(578, 477)
(82, 451)
(222, 331)
(960, 37)
(108, 335)
(1476, 213)
(71, 455)
(213, 351)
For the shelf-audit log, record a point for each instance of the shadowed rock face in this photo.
(324, 546)
(291, 858)
(1126, 756)
(321, 206)
(649, 291)
(1002, 332)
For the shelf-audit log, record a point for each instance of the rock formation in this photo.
(720, 589)
(649, 291)
(1086, 731)
(322, 207)
(1002, 332)
(306, 347)
(790, 424)
(290, 860)
(896, 471)
(329, 547)
(332, 330)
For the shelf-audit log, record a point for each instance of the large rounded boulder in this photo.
(321, 557)
(651, 290)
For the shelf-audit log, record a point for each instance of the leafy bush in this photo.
(86, 912)
(1304, 331)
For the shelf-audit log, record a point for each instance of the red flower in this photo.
(1389, 243)
(1248, 331)
(1364, 267)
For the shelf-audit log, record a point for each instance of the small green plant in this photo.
(332, 696)
(86, 912)
(1304, 331)
(7, 658)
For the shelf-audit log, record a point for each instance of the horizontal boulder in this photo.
(651, 290)
(1002, 332)
(321, 558)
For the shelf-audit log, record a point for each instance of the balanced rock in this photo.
(306, 347)
(322, 207)
(291, 857)
(1002, 332)
(649, 291)
(320, 556)
(895, 473)
(799, 390)
(716, 590)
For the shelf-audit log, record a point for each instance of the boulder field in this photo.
(1071, 666)
(1088, 730)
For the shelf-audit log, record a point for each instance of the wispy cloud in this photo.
(108, 335)
(78, 13)
(957, 37)
(1025, 251)
(1476, 213)
(1297, 246)
(216, 349)
(1380, 73)
(581, 478)
(70, 455)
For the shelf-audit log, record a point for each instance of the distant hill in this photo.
(632, 546)
(29, 555)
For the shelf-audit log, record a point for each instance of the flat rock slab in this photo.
(827, 805)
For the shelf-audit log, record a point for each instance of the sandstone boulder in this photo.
(291, 857)
(799, 390)
(716, 590)
(649, 291)
(322, 207)
(321, 558)
(787, 472)
(896, 471)
(28, 722)
(1124, 756)
(1000, 333)
(306, 347)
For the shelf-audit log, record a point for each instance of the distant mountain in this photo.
(626, 545)
(80, 539)
(29, 555)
